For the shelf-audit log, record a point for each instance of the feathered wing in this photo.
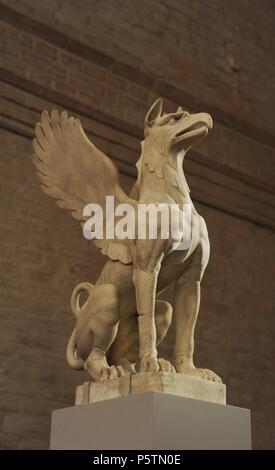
(74, 172)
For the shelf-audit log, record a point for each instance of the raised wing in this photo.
(74, 172)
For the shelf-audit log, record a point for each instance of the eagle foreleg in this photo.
(145, 275)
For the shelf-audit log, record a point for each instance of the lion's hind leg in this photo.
(96, 330)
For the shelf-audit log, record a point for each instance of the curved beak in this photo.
(192, 129)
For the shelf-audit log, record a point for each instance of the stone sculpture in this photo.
(122, 321)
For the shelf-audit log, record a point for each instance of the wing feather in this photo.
(74, 172)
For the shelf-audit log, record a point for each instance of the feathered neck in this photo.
(153, 165)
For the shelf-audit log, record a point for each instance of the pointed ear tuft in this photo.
(154, 112)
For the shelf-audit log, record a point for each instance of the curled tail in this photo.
(78, 290)
(71, 353)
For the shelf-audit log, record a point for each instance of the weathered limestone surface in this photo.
(179, 384)
(91, 392)
(167, 382)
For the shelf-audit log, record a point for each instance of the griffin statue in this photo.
(122, 321)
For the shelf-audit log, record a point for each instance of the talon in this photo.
(113, 373)
(149, 364)
(104, 374)
(126, 366)
(166, 366)
(121, 371)
(205, 374)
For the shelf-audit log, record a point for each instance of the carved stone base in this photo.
(168, 382)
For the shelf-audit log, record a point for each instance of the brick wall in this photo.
(105, 63)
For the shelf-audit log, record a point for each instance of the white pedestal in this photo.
(151, 420)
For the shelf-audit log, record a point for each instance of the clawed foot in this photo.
(151, 364)
(165, 366)
(112, 372)
(100, 371)
(205, 374)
